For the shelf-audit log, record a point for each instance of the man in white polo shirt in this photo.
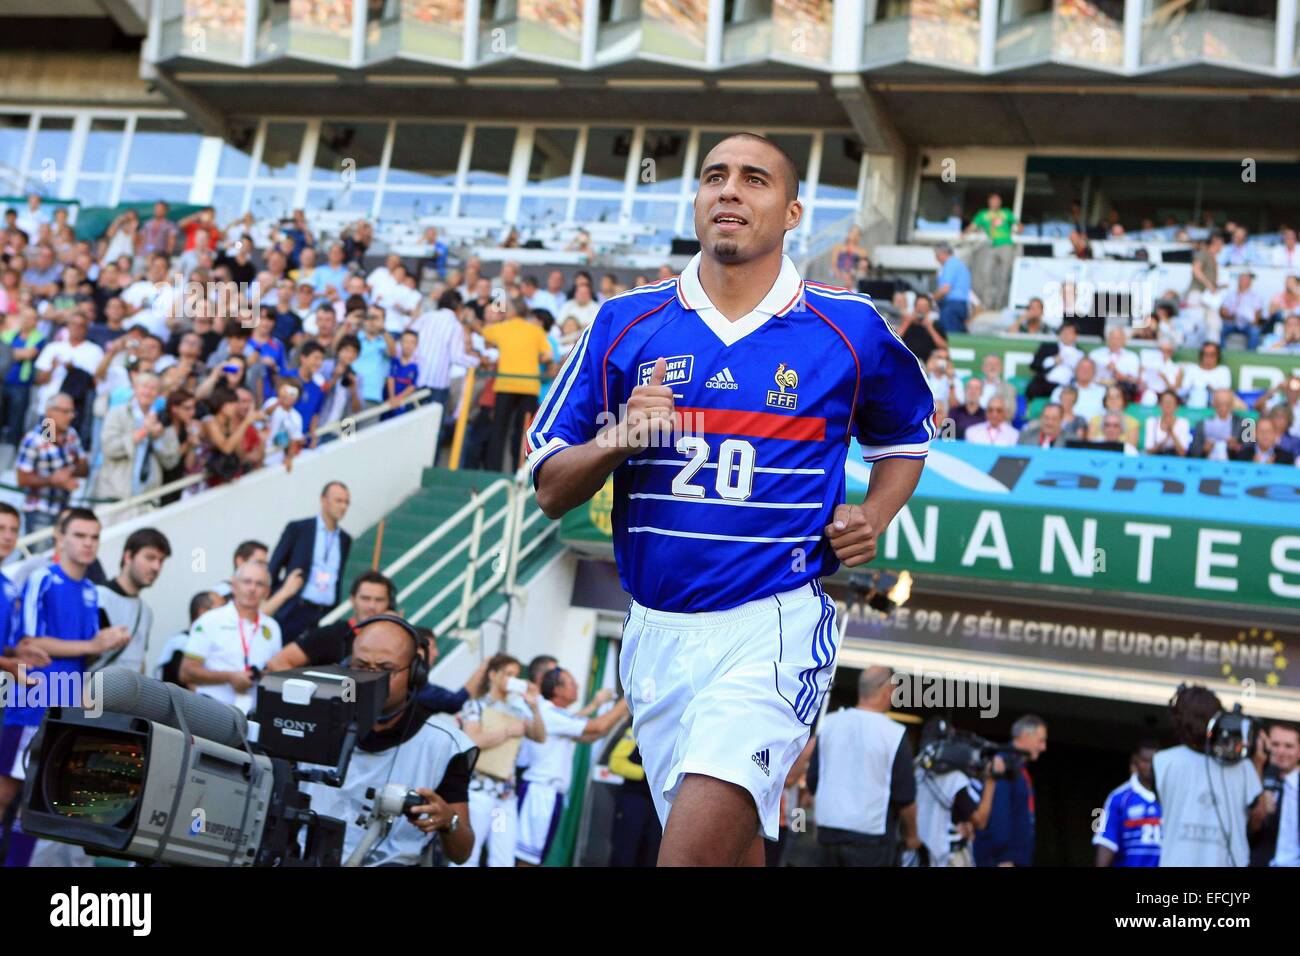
(546, 781)
(230, 645)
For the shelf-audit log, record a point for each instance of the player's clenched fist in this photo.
(650, 416)
(851, 535)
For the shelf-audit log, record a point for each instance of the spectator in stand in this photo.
(1242, 311)
(441, 345)
(997, 430)
(435, 254)
(229, 646)
(1054, 362)
(1285, 393)
(1167, 433)
(1160, 372)
(1204, 292)
(1046, 432)
(403, 374)
(311, 396)
(285, 435)
(137, 448)
(943, 379)
(917, 328)
(845, 255)
(553, 297)
(232, 445)
(1219, 437)
(578, 313)
(227, 374)
(159, 233)
(994, 383)
(1031, 321)
(1117, 365)
(1089, 394)
(968, 413)
(179, 417)
(318, 548)
(525, 355)
(342, 386)
(1239, 252)
(1113, 432)
(377, 349)
(70, 366)
(49, 470)
(952, 289)
(609, 287)
(267, 355)
(1208, 376)
(1264, 450)
(328, 278)
(1283, 417)
(1287, 255)
(1115, 402)
(1283, 307)
(25, 341)
(1080, 247)
(400, 300)
(999, 226)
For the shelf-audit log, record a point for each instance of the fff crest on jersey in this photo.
(679, 369)
(787, 380)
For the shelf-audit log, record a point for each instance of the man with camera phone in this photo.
(408, 745)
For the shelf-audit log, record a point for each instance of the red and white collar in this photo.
(783, 295)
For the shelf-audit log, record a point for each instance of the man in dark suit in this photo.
(318, 548)
(1264, 450)
(1224, 426)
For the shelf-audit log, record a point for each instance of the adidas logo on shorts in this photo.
(760, 758)
(723, 380)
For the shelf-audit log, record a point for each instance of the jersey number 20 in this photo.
(735, 461)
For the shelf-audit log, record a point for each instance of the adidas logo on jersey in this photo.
(760, 758)
(724, 380)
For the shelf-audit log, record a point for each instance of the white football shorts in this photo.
(728, 694)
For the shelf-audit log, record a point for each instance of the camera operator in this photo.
(951, 808)
(372, 593)
(1008, 840)
(861, 775)
(1128, 832)
(229, 645)
(1207, 804)
(1277, 843)
(410, 746)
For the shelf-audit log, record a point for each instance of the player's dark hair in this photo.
(539, 665)
(330, 484)
(551, 682)
(75, 514)
(496, 663)
(789, 171)
(247, 549)
(375, 577)
(8, 509)
(143, 538)
(201, 604)
(1146, 743)
(1192, 709)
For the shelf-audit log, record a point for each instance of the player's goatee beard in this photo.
(726, 249)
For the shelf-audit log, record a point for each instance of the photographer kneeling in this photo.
(408, 745)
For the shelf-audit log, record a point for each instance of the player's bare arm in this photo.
(856, 529)
(572, 476)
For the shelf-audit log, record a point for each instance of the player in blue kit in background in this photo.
(403, 373)
(722, 402)
(1128, 832)
(59, 615)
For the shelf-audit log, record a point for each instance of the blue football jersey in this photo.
(54, 605)
(735, 508)
(1130, 825)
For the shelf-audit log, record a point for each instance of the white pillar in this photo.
(251, 25)
(1134, 10)
(1284, 41)
(848, 22)
(713, 34)
(472, 17)
(357, 50)
(590, 32)
(988, 34)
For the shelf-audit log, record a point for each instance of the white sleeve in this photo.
(563, 724)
